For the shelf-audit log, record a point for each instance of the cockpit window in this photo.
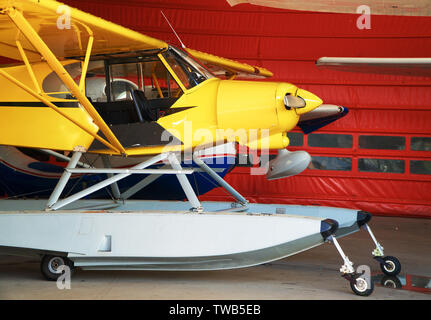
(125, 78)
(190, 72)
(132, 90)
(55, 87)
(148, 75)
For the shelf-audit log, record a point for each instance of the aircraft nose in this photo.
(311, 101)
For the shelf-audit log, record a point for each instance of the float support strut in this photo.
(219, 180)
(63, 180)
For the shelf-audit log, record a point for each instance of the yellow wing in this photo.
(66, 31)
(226, 68)
(399, 66)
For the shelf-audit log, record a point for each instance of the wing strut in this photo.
(28, 65)
(32, 36)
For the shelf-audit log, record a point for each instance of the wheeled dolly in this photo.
(360, 285)
(389, 265)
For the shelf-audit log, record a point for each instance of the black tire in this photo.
(393, 266)
(361, 287)
(49, 265)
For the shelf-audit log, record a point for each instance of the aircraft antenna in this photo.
(182, 44)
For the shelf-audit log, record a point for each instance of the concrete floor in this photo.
(313, 274)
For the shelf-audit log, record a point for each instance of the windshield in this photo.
(190, 72)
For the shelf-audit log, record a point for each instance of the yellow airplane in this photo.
(87, 85)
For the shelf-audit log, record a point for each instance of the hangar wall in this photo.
(288, 43)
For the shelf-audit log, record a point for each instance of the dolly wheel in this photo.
(50, 264)
(361, 287)
(391, 266)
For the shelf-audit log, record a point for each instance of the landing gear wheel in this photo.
(49, 266)
(361, 287)
(391, 266)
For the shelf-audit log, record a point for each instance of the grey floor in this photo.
(313, 274)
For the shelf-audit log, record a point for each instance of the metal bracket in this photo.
(347, 267)
(351, 277)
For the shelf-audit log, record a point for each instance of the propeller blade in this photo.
(321, 116)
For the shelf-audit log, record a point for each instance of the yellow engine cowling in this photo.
(254, 113)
